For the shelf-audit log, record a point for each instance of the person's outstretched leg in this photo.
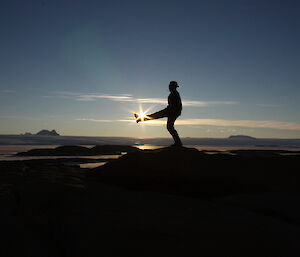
(157, 115)
(172, 131)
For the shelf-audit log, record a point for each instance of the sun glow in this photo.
(142, 115)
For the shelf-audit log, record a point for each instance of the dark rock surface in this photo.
(80, 150)
(167, 202)
(187, 171)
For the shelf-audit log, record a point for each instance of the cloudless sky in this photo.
(66, 65)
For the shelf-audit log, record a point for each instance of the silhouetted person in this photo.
(172, 112)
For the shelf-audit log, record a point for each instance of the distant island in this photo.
(241, 137)
(43, 132)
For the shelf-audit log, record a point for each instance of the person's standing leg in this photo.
(172, 131)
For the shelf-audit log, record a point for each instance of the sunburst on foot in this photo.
(141, 116)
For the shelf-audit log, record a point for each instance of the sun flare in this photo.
(142, 115)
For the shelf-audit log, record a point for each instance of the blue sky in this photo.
(83, 67)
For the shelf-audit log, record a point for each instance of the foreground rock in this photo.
(187, 171)
(167, 202)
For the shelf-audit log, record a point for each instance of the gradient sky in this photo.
(82, 67)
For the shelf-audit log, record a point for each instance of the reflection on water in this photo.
(91, 165)
(222, 148)
(149, 147)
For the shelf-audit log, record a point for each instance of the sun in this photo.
(142, 115)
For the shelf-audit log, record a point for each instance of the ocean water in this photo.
(225, 148)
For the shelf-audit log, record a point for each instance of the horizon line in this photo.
(187, 137)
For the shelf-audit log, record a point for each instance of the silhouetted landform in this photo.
(78, 140)
(80, 150)
(187, 171)
(166, 202)
(239, 137)
(45, 132)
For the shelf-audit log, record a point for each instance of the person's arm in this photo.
(169, 101)
(175, 105)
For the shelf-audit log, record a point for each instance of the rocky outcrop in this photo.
(80, 150)
(167, 202)
(45, 132)
(187, 171)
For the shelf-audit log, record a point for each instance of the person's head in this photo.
(173, 85)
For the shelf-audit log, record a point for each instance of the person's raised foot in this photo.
(137, 119)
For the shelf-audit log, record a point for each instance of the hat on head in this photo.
(173, 83)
